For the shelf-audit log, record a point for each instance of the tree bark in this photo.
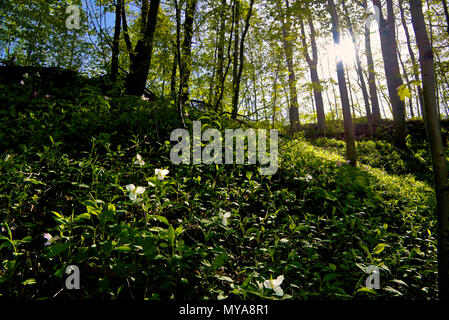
(359, 72)
(235, 100)
(371, 77)
(436, 146)
(220, 55)
(187, 50)
(392, 73)
(446, 14)
(411, 53)
(174, 70)
(116, 41)
(288, 50)
(142, 53)
(351, 154)
(313, 63)
(235, 61)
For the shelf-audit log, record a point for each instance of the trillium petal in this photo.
(140, 190)
(130, 187)
(278, 290)
(278, 281)
(225, 221)
(132, 196)
(267, 284)
(47, 236)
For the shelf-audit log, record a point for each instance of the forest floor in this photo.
(205, 231)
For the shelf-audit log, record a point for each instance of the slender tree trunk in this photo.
(220, 53)
(446, 14)
(275, 90)
(230, 60)
(235, 98)
(187, 50)
(404, 71)
(141, 56)
(392, 73)
(116, 41)
(348, 81)
(288, 50)
(351, 154)
(372, 79)
(174, 70)
(313, 63)
(412, 55)
(436, 146)
(235, 62)
(359, 72)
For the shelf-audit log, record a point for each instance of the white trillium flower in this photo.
(145, 98)
(161, 173)
(224, 217)
(283, 240)
(134, 191)
(50, 239)
(139, 160)
(275, 285)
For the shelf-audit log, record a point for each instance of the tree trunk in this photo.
(351, 154)
(116, 41)
(360, 72)
(404, 71)
(187, 50)
(390, 57)
(220, 54)
(141, 56)
(313, 63)
(235, 62)
(412, 55)
(446, 14)
(288, 49)
(180, 64)
(235, 98)
(436, 146)
(173, 74)
(372, 78)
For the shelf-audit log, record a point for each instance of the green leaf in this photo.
(403, 92)
(379, 248)
(219, 260)
(161, 219)
(57, 249)
(365, 289)
(171, 235)
(29, 281)
(123, 249)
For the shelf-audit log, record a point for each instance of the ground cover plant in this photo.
(197, 231)
(347, 102)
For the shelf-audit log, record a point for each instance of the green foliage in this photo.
(318, 222)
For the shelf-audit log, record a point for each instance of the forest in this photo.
(120, 179)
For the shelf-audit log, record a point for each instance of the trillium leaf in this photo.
(379, 248)
(171, 235)
(219, 260)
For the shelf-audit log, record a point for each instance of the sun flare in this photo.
(345, 51)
